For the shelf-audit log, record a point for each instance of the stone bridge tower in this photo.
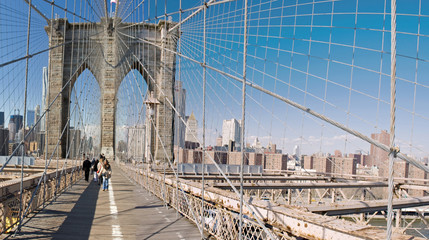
(110, 50)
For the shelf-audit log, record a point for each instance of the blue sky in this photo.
(340, 71)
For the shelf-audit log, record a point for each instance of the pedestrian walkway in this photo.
(125, 211)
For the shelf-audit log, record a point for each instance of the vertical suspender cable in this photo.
(147, 119)
(203, 161)
(45, 103)
(59, 129)
(157, 115)
(243, 114)
(45, 110)
(163, 76)
(392, 153)
(106, 11)
(178, 124)
(21, 186)
(68, 143)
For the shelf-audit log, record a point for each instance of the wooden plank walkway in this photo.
(126, 211)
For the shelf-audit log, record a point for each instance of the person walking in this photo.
(86, 166)
(100, 170)
(107, 175)
(92, 166)
(95, 169)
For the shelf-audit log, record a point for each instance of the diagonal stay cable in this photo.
(66, 10)
(50, 159)
(210, 157)
(175, 173)
(41, 116)
(159, 137)
(38, 11)
(301, 107)
(42, 51)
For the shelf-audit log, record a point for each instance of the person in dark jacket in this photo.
(86, 167)
(95, 170)
(92, 166)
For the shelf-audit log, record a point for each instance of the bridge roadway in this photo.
(126, 211)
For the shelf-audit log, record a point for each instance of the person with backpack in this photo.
(107, 175)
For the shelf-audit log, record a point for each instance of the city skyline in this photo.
(317, 54)
(249, 119)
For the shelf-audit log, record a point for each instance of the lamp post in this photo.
(150, 103)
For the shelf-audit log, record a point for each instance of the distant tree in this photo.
(90, 144)
(122, 146)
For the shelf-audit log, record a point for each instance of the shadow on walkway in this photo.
(79, 220)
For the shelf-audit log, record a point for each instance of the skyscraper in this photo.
(378, 156)
(30, 117)
(231, 131)
(219, 141)
(44, 95)
(4, 142)
(136, 138)
(74, 143)
(191, 131)
(180, 105)
(296, 151)
(1, 119)
(15, 124)
(12, 131)
(36, 117)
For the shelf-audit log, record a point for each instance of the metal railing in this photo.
(221, 217)
(219, 222)
(34, 195)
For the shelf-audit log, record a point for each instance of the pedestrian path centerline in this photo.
(116, 229)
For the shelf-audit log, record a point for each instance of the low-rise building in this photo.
(194, 156)
(322, 164)
(255, 158)
(276, 161)
(308, 162)
(341, 165)
(417, 173)
(234, 158)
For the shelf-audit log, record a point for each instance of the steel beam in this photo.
(355, 207)
(415, 187)
(26, 170)
(12, 186)
(294, 220)
(302, 185)
(258, 178)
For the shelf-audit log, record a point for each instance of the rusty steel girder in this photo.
(284, 220)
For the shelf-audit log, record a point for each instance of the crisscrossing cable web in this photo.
(316, 76)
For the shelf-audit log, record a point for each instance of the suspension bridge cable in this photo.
(243, 114)
(203, 161)
(46, 167)
(49, 106)
(168, 160)
(393, 150)
(21, 186)
(214, 162)
(299, 106)
(253, 117)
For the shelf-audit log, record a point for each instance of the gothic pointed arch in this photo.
(110, 52)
